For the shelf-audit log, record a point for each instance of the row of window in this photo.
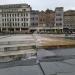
(14, 24)
(16, 19)
(36, 18)
(12, 10)
(14, 14)
(18, 24)
(34, 24)
(58, 24)
(70, 25)
(59, 19)
(42, 20)
(59, 9)
(69, 20)
(58, 14)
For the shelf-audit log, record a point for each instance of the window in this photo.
(2, 19)
(36, 18)
(21, 19)
(3, 24)
(26, 19)
(13, 15)
(58, 24)
(15, 19)
(58, 14)
(10, 15)
(10, 24)
(18, 24)
(10, 19)
(27, 24)
(5, 19)
(18, 19)
(7, 15)
(26, 14)
(24, 10)
(32, 24)
(33, 18)
(59, 19)
(13, 24)
(36, 24)
(22, 24)
(2, 15)
(41, 20)
(18, 14)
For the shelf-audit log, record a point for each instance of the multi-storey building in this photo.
(42, 18)
(69, 20)
(59, 19)
(46, 20)
(34, 21)
(20, 18)
(15, 18)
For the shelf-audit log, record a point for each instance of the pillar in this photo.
(1, 29)
(20, 29)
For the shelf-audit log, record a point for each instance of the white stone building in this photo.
(59, 19)
(15, 18)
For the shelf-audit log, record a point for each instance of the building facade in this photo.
(59, 13)
(15, 18)
(46, 21)
(34, 22)
(69, 20)
(20, 18)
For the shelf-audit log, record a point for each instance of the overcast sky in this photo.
(44, 4)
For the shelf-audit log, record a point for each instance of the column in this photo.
(20, 29)
(6, 29)
(1, 29)
(14, 30)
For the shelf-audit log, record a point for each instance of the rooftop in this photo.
(13, 6)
